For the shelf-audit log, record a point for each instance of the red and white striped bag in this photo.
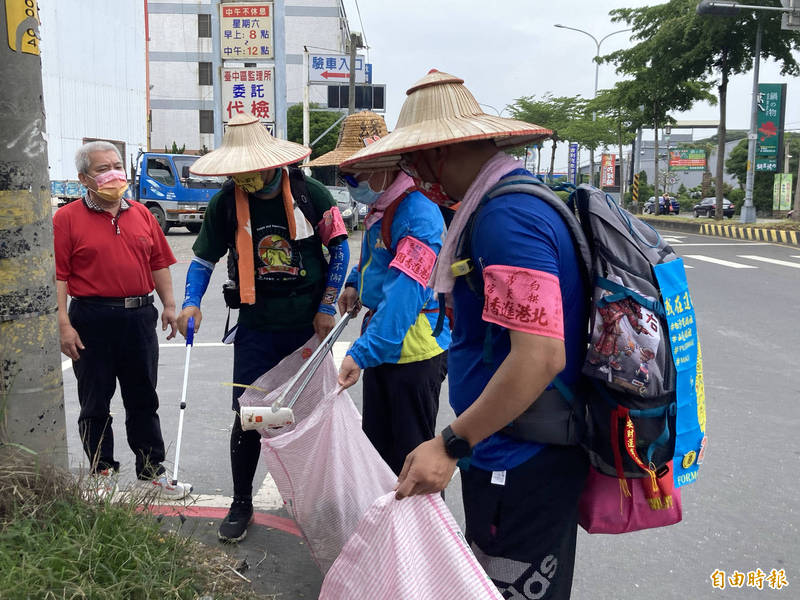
(408, 549)
(326, 470)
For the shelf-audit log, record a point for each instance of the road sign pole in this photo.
(749, 210)
(306, 117)
(351, 108)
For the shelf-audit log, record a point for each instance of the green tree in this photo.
(319, 121)
(676, 44)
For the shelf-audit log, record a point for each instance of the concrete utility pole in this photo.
(31, 390)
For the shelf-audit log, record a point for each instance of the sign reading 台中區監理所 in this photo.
(248, 90)
(246, 31)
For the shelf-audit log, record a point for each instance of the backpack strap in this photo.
(388, 218)
(299, 187)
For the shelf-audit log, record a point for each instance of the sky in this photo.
(510, 48)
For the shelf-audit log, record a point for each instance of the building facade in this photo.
(185, 57)
(94, 84)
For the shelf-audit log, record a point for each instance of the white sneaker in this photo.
(165, 489)
(101, 484)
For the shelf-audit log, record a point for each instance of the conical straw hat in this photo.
(247, 146)
(358, 130)
(440, 110)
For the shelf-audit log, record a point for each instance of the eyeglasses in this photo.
(407, 167)
(350, 180)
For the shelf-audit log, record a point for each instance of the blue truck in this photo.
(175, 197)
(163, 183)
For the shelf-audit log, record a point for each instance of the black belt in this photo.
(129, 302)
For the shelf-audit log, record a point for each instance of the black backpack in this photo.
(616, 252)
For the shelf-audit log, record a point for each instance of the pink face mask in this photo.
(109, 176)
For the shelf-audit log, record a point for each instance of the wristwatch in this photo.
(455, 446)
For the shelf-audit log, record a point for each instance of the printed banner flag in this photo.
(607, 170)
(690, 421)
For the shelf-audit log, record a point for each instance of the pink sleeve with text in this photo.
(331, 225)
(523, 300)
(415, 259)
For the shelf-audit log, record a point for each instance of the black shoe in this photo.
(234, 526)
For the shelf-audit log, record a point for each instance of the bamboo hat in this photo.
(247, 146)
(358, 130)
(439, 111)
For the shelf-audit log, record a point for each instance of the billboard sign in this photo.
(335, 68)
(687, 159)
(769, 125)
(607, 166)
(248, 90)
(246, 31)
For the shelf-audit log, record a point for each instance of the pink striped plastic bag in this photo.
(407, 549)
(326, 470)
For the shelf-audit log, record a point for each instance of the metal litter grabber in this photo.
(189, 342)
(279, 415)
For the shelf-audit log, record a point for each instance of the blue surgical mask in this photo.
(363, 193)
(272, 185)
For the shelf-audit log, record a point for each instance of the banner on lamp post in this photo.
(572, 165)
(607, 168)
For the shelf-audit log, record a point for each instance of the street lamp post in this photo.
(726, 8)
(596, 74)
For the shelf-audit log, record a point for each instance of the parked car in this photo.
(708, 208)
(347, 206)
(673, 208)
(363, 209)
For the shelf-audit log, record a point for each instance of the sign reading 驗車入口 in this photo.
(769, 125)
(335, 68)
(246, 30)
(248, 90)
(687, 159)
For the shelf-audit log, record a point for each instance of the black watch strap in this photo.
(455, 446)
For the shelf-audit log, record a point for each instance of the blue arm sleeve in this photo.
(337, 269)
(352, 279)
(197, 278)
(403, 299)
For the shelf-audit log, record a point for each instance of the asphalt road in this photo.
(741, 514)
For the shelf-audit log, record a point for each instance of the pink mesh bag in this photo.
(410, 548)
(326, 470)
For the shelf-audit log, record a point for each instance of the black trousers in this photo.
(120, 345)
(255, 353)
(523, 532)
(400, 406)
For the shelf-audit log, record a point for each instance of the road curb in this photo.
(789, 237)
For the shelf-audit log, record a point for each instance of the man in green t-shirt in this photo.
(272, 221)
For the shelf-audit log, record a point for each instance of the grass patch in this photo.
(57, 543)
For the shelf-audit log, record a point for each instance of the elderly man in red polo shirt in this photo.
(110, 255)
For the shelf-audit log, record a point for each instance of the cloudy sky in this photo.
(510, 48)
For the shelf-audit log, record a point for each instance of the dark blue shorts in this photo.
(524, 531)
(256, 352)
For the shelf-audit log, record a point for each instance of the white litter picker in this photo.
(280, 414)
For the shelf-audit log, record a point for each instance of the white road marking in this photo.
(682, 245)
(773, 261)
(795, 255)
(719, 261)
(339, 350)
(268, 497)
